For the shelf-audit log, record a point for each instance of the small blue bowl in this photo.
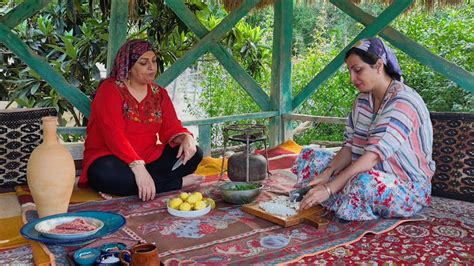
(86, 256)
(114, 247)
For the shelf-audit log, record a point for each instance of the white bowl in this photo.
(45, 226)
(188, 214)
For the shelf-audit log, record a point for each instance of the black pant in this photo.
(111, 175)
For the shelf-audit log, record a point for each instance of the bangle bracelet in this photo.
(328, 189)
(136, 162)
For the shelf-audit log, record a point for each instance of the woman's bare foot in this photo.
(192, 181)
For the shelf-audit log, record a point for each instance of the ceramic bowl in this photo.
(234, 196)
(187, 214)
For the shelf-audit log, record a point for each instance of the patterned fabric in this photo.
(126, 57)
(400, 133)
(445, 238)
(372, 194)
(310, 162)
(226, 235)
(146, 111)
(20, 133)
(378, 48)
(17, 256)
(453, 151)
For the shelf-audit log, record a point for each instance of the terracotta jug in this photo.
(50, 172)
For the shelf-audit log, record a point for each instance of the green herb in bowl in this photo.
(245, 187)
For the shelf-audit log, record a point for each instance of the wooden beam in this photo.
(118, 26)
(223, 56)
(22, 11)
(48, 73)
(198, 122)
(280, 95)
(241, 76)
(387, 16)
(450, 70)
(316, 119)
(230, 118)
(204, 44)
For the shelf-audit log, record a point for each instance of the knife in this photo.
(297, 195)
(177, 164)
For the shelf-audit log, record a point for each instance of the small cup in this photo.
(86, 256)
(140, 254)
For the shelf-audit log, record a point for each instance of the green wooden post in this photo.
(22, 12)
(205, 139)
(117, 30)
(451, 71)
(57, 81)
(222, 55)
(280, 96)
(387, 16)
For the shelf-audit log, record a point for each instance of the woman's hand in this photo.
(187, 148)
(315, 196)
(145, 183)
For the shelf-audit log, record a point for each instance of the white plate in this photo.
(45, 226)
(188, 214)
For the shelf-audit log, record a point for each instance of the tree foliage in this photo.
(318, 39)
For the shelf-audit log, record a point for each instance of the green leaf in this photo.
(34, 88)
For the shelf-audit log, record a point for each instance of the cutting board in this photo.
(311, 216)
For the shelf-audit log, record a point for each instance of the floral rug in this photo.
(226, 235)
(446, 237)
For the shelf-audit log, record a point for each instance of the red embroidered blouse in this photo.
(120, 125)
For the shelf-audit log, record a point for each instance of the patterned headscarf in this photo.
(378, 48)
(127, 56)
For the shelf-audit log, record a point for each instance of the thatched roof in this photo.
(428, 4)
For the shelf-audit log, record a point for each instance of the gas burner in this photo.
(245, 132)
(241, 164)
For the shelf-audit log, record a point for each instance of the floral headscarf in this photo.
(127, 56)
(378, 48)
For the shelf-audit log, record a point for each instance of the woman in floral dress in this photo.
(385, 165)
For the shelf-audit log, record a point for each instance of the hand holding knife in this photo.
(177, 164)
(297, 195)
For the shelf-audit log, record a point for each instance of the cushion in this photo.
(453, 152)
(20, 133)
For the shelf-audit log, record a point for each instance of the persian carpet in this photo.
(226, 235)
(446, 237)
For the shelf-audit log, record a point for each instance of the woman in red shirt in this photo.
(134, 136)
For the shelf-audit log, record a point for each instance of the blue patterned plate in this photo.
(112, 223)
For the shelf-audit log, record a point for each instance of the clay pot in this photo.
(50, 172)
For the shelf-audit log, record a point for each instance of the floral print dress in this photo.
(401, 134)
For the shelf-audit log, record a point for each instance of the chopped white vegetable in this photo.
(281, 206)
